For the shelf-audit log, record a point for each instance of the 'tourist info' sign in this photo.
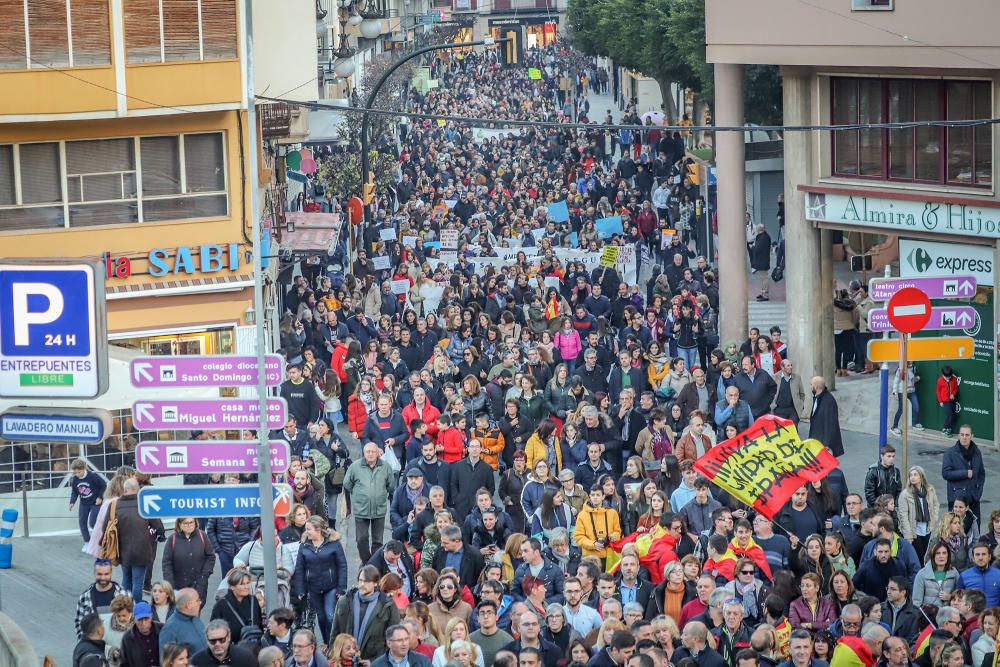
(898, 216)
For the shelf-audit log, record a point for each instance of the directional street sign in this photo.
(207, 456)
(909, 310)
(83, 425)
(922, 349)
(198, 371)
(210, 500)
(52, 330)
(208, 413)
(939, 287)
(942, 317)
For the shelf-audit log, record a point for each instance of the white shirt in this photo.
(583, 620)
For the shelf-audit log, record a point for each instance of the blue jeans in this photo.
(324, 604)
(87, 517)
(132, 578)
(914, 409)
(689, 355)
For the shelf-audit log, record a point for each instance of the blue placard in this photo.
(559, 211)
(574, 239)
(432, 244)
(608, 227)
(207, 500)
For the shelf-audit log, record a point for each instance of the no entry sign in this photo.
(909, 310)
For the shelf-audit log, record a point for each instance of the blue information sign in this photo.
(210, 500)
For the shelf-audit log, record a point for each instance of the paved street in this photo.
(49, 573)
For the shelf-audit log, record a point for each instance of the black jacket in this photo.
(463, 483)
(551, 655)
(760, 252)
(472, 565)
(86, 647)
(238, 614)
(188, 561)
(824, 424)
(319, 570)
(238, 657)
(906, 624)
(135, 546)
(758, 392)
(378, 560)
(135, 652)
(881, 480)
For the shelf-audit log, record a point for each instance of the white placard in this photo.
(410, 241)
(388, 234)
(449, 239)
(381, 263)
(400, 286)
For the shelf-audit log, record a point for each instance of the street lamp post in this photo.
(366, 117)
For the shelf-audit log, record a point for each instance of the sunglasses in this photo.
(746, 572)
(217, 640)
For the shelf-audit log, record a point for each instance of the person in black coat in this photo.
(452, 548)
(756, 387)
(594, 429)
(188, 558)
(824, 425)
(239, 608)
(760, 260)
(401, 513)
(320, 572)
(392, 557)
(466, 478)
(906, 621)
(135, 548)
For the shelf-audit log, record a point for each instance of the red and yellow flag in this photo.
(552, 309)
(765, 464)
(655, 549)
(923, 641)
(754, 552)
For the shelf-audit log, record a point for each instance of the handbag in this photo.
(336, 475)
(109, 543)
(391, 460)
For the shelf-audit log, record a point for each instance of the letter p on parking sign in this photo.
(53, 329)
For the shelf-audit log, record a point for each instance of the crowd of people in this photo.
(490, 417)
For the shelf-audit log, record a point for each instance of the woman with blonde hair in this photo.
(917, 508)
(320, 571)
(665, 630)
(430, 631)
(951, 531)
(511, 557)
(343, 651)
(448, 603)
(608, 629)
(456, 633)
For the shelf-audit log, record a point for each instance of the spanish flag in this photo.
(754, 552)
(923, 641)
(655, 549)
(725, 567)
(552, 309)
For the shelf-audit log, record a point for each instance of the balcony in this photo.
(514, 5)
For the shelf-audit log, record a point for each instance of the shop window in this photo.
(97, 182)
(180, 30)
(924, 154)
(54, 33)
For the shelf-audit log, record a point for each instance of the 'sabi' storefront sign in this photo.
(185, 260)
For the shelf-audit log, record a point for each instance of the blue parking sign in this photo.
(52, 329)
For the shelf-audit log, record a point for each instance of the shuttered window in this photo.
(190, 29)
(142, 31)
(60, 33)
(12, 34)
(91, 34)
(182, 177)
(218, 29)
(48, 31)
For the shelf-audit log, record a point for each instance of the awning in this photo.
(121, 394)
(314, 232)
(324, 126)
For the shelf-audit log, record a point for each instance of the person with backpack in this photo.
(188, 557)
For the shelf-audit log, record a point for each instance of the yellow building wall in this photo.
(183, 84)
(136, 240)
(45, 91)
(168, 312)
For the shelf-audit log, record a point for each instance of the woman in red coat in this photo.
(811, 611)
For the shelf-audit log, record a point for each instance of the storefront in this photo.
(937, 235)
(534, 31)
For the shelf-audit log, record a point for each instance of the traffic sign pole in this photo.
(267, 529)
(904, 397)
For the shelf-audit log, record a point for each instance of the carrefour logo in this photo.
(919, 260)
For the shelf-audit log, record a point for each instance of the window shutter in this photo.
(204, 162)
(161, 167)
(180, 30)
(12, 29)
(48, 31)
(40, 180)
(142, 31)
(91, 34)
(99, 156)
(218, 27)
(7, 176)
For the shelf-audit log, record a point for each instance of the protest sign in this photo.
(609, 256)
(534, 73)
(559, 211)
(765, 464)
(608, 227)
(381, 263)
(449, 239)
(388, 234)
(410, 241)
(400, 286)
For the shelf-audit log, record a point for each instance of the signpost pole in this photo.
(263, 446)
(883, 372)
(904, 397)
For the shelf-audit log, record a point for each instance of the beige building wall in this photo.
(285, 62)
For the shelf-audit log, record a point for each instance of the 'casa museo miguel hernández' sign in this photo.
(901, 216)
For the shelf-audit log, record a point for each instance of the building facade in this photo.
(927, 193)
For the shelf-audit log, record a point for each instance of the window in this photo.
(179, 30)
(54, 33)
(925, 154)
(112, 181)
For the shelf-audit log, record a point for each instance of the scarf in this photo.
(920, 499)
(749, 599)
(561, 560)
(673, 600)
(361, 624)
